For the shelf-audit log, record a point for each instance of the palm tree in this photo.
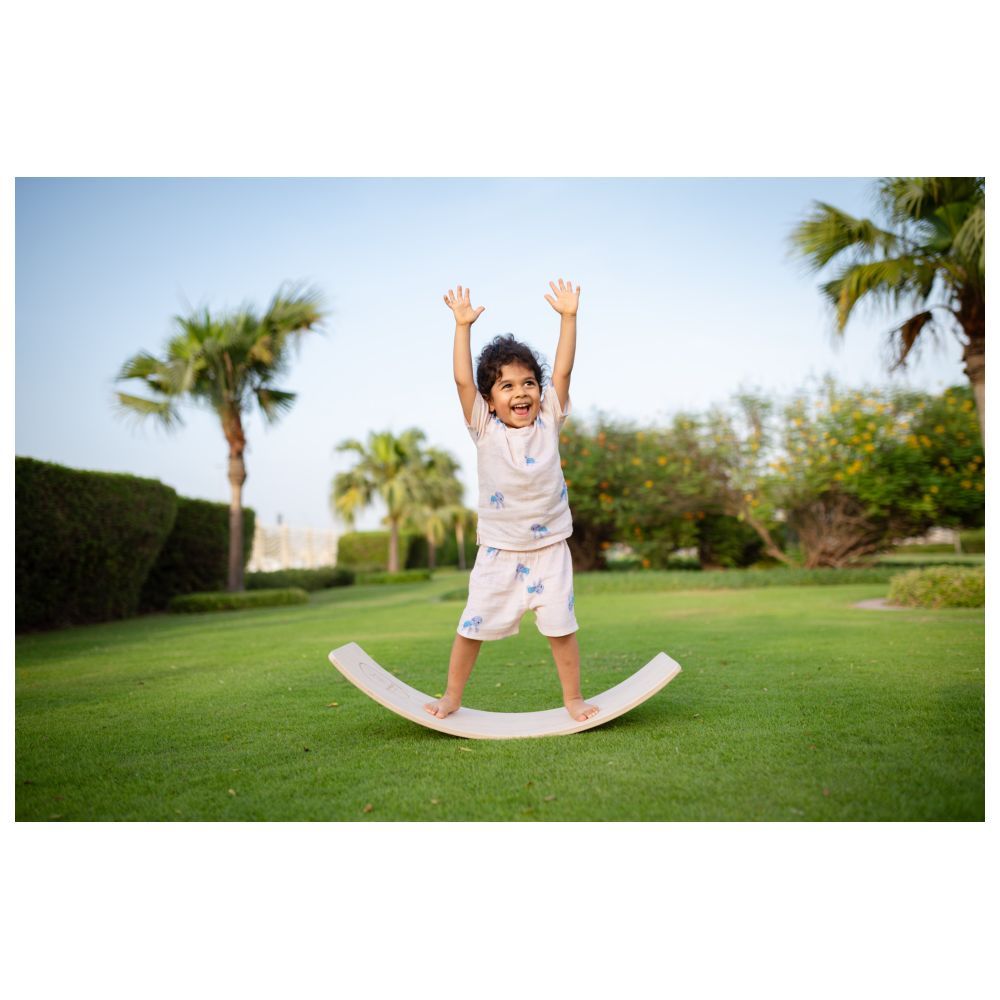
(438, 498)
(932, 246)
(226, 362)
(387, 467)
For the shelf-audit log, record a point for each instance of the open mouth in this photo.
(522, 409)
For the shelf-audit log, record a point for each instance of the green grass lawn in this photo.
(792, 705)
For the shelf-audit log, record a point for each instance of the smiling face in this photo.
(516, 395)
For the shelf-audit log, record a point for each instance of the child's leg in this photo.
(566, 653)
(463, 659)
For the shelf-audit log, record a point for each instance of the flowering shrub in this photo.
(644, 487)
(844, 473)
(857, 470)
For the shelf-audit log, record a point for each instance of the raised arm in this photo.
(566, 302)
(465, 316)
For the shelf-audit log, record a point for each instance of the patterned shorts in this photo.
(505, 584)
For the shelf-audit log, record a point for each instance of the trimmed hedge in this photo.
(238, 601)
(403, 576)
(939, 587)
(84, 542)
(195, 556)
(308, 579)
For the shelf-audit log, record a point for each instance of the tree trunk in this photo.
(835, 531)
(460, 539)
(394, 545)
(237, 477)
(972, 316)
(735, 508)
(431, 553)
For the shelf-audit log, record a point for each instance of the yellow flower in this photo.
(662, 460)
(637, 461)
(945, 460)
(869, 447)
(967, 484)
(645, 564)
(967, 406)
(939, 429)
(833, 441)
(934, 489)
(855, 439)
(838, 476)
(871, 425)
(649, 484)
(925, 440)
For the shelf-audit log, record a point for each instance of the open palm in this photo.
(459, 304)
(566, 300)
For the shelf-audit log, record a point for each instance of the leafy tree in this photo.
(226, 363)
(927, 257)
(735, 444)
(437, 494)
(390, 468)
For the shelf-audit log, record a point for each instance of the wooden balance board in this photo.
(376, 682)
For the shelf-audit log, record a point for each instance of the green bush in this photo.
(84, 542)
(195, 556)
(726, 541)
(939, 587)
(308, 579)
(238, 600)
(371, 548)
(974, 540)
(403, 576)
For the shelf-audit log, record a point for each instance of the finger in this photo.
(553, 287)
(481, 309)
(561, 285)
(459, 291)
(467, 296)
(551, 301)
(569, 286)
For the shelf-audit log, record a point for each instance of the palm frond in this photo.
(274, 402)
(970, 241)
(903, 338)
(912, 199)
(891, 280)
(828, 232)
(139, 410)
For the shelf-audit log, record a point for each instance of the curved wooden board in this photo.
(376, 682)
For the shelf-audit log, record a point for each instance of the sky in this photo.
(689, 294)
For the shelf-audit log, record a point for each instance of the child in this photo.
(524, 517)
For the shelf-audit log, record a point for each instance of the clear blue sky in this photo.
(688, 295)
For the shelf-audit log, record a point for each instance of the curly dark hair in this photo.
(505, 350)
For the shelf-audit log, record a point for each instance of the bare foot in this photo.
(443, 707)
(580, 710)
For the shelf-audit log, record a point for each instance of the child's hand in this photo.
(566, 301)
(465, 315)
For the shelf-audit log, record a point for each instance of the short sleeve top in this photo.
(523, 500)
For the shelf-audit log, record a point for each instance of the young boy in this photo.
(524, 518)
